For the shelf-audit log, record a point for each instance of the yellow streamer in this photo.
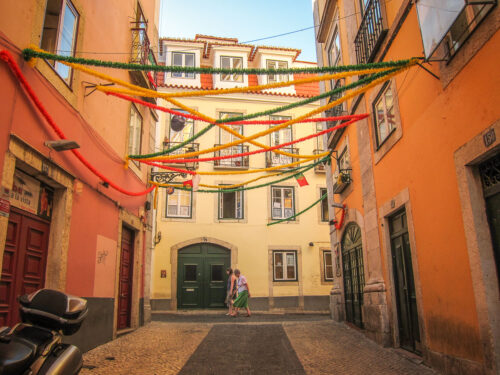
(351, 94)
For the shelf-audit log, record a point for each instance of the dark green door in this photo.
(201, 276)
(490, 176)
(354, 275)
(406, 300)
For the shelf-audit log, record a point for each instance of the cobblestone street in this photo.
(266, 344)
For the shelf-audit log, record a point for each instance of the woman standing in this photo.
(243, 294)
(231, 290)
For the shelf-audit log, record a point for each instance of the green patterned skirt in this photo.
(241, 300)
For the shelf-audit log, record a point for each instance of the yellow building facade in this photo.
(288, 265)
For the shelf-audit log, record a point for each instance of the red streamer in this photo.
(338, 224)
(7, 57)
(259, 150)
(252, 122)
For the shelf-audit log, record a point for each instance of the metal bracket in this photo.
(90, 85)
(166, 177)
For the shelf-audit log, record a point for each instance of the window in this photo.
(324, 206)
(283, 203)
(285, 265)
(135, 132)
(334, 52)
(183, 59)
(231, 205)
(279, 137)
(179, 204)
(226, 137)
(230, 62)
(383, 109)
(59, 33)
(182, 135)
(152, 136)
(276, 64)
(327, 265)
(344, 161)
(450, 20)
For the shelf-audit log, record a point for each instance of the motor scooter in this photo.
(34, 347)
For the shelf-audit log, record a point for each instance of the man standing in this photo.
(243, 294)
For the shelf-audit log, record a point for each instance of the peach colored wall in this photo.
(98, 123)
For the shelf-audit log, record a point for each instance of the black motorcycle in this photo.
(34, 347)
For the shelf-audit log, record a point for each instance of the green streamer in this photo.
(301, 212)
(29, 53)
(268, 112)
(300, 170)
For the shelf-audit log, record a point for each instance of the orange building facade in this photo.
(417, 256)
(61, 226)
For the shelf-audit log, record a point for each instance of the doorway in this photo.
(201, 276)
(24, 261)
(490, 177)
(125, 278)
(354, 274)
(406, 300)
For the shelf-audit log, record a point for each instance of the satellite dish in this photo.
(177, 123)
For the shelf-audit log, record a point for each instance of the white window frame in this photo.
(181, 74)
(282, 202)
(60, 68)
(321, 192)
(277, 64)
(239, 212)
(391, 127)
(178, 193)
(325, 265)
(231, 77)
(135, 131)
(334, 49)
(283, 136)
(285, 256)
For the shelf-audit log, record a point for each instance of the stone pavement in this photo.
(263, 344)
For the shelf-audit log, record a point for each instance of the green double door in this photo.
(201, 276)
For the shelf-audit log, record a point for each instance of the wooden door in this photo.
(24, 262)
(353, 274)
(201, 276)
(126, 278)
(404, 284)
(490, 177)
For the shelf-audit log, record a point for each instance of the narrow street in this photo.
(262, 344)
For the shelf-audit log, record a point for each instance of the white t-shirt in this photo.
(242, 284)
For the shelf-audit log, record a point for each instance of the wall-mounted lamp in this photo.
(157, 238)
(311, 243)
(62, 145)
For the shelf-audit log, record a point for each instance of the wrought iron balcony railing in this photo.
(371, 32)
(190, 147)
(275, 160)
(142, 54)
(237, 163)
(319, 168)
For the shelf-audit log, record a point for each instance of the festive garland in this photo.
(301, 170)
(299, 213)
(33, 52)
(245, 89)
(7, 57)
(283, 145)
(323, 108)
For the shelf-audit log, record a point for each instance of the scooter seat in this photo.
(16, 355)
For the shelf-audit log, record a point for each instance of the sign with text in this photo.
(25, 192)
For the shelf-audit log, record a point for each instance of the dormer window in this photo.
(185, 60)
(277, 64)
(231, 62)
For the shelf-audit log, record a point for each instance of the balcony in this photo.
(190, 147)
(233, 163)
(371, 32)
(142, 54)
(319, 168)
(275, 160)
(342, 179)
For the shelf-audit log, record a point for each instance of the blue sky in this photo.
(245, 20)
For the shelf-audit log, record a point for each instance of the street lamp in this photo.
(167, 177)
